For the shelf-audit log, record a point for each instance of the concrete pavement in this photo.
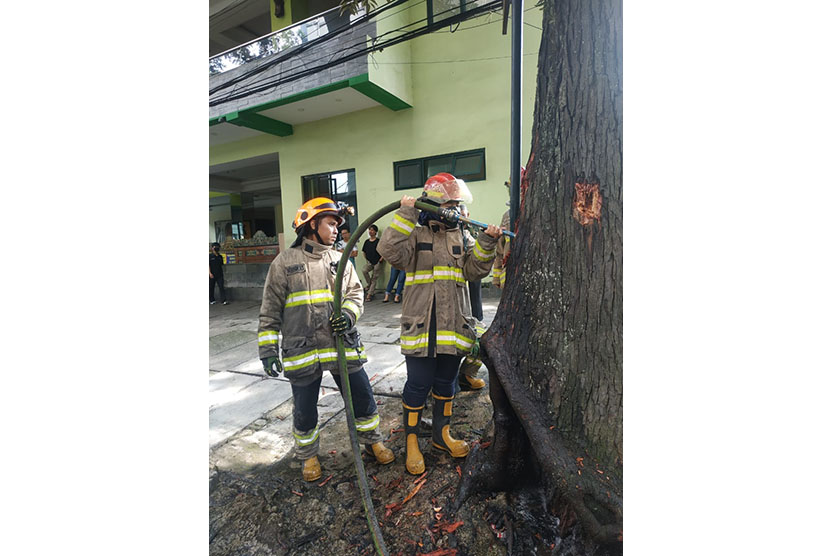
(250, 413)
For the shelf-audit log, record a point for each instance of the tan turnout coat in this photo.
(297, 302)
(437, 270)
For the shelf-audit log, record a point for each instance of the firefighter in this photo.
(503, 247)
(470, 365)
(502, 252)
(297, 302)
(467, 379)
(437, 328)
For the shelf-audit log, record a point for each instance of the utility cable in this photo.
(236, 6)
(509, 16)
(360, 42)
(452, 61)
(374, 47)
(327, 37)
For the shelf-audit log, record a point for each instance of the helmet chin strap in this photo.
(314, 229)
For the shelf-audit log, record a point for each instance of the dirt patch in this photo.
(269, 510)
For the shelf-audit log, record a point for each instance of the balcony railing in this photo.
(279, 41)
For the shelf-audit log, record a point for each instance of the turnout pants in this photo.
(306, 431)
(425, 373)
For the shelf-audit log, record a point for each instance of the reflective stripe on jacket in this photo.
(297, 301)
(437, 269)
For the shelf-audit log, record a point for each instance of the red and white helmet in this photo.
(445, 187)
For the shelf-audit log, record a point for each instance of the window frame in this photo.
(423, 162)
(349, 197)
(462, 4)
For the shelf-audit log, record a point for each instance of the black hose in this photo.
(369, 509)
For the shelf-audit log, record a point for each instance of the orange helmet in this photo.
(445, 187)
(318, 206)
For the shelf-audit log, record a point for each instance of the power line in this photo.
(295, 52)
(229, 11)
(228, 8)
(376, 45)
(360, 42)
(491, 22)
(328, 36)
(453, 61)
(457, 30)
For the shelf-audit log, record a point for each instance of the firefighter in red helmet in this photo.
(437, 328)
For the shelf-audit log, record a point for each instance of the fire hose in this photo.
(448, 215)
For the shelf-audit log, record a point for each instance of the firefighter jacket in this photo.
(436, 300)
(297, 302)
(502, 251)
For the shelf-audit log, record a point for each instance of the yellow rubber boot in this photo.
(441, 437)
(414, 457)
(467, 374)
(383, 455)
(311, 469)
(470, 382)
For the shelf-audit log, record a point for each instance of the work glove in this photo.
(339, 324)
(272, 366)
(475, 350)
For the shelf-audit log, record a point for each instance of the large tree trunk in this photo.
(555, 346)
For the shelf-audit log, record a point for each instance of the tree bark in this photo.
(555, 346)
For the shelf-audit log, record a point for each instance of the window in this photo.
(337, 186)
(442, 9)
(409, 174)
(467, 165)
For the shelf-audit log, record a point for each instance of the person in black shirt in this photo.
(374, 262)
(217, 276)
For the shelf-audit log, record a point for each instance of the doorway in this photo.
(337, 186)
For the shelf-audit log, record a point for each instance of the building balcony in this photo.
(315, 69)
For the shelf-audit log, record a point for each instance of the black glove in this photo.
(272, 366)
(340, 324)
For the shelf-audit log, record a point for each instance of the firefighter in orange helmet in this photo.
(437, 327)
(297, 303)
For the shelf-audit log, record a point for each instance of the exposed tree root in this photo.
(526, 451)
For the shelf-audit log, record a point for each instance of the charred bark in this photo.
(555, 346)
